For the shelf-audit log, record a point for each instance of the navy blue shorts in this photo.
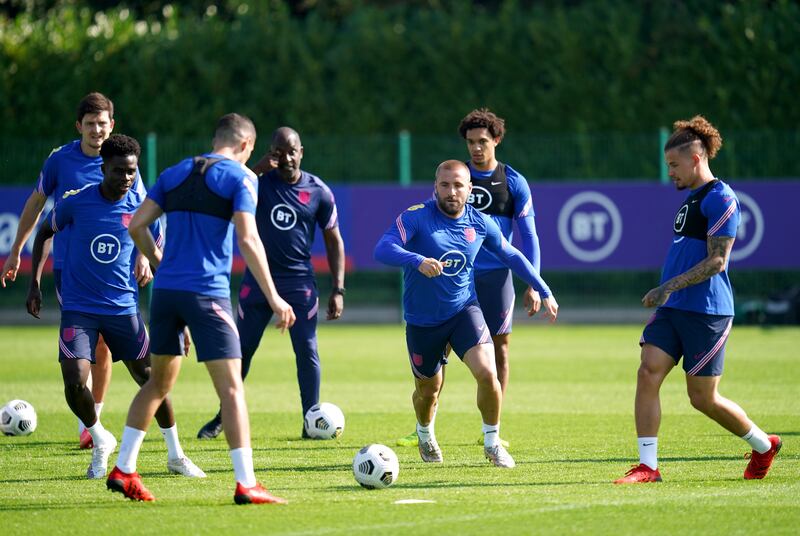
(496, 295)
(57, 282)
(125, 335)
(427, 344)
(698, 338)
(210, 322)
(253, 316)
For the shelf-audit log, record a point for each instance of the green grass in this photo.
(568, 415)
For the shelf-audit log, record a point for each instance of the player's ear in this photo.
(78, 127)
(112, 124)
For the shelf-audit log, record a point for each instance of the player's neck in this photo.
(108, 195)
(489, 165)
(292, 179)
(88, 150)
(704, 177)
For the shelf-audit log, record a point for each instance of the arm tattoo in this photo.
(719, 249)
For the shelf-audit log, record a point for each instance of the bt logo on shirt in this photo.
(453, 262)
(283, 216)
(105, 248)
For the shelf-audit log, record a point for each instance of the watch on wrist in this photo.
(339, 290)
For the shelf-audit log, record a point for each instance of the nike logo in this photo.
(678, 240)
(496, 183)
(694, 201)
(647, 444)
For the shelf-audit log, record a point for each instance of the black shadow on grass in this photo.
(447, 485)
(632, 460)
(59, 478)
(309, 468)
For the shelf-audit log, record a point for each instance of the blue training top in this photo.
(505, 197)
(287, 218)
(68, 168)
(198, 252)
(423, 231)
(712, 210)
(98, 269)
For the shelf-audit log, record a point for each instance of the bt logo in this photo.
(453, 262)
(283, 216)
(590, 226)
(105, 248)
(480, 198)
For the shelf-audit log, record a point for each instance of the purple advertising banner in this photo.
(585, 226)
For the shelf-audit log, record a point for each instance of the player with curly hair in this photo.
(694, 306)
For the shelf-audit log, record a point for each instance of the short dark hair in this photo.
(233, 128)
(696, 129)
(120, 145)
(483, 118)
(94, 103)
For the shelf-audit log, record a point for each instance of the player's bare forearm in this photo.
(146, 244)
(334, 248)
(719, 249)
(139, 229)
(256, 258)
(27, 221)
(41, 249)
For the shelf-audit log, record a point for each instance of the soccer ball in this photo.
(17, 418)
(376, 466)
(324, 421)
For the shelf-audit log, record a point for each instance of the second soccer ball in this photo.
(324, 421)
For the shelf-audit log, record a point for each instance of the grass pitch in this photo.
(568, 416)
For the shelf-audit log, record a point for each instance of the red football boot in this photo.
(85, 441)
(760, 463)
(129, 484)
(255, 495)
(640, 474)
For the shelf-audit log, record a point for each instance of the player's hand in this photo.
(550, 308)
(532, 301)
(34, 301)
(283, 313)
(430, 267)
(142, 271)
(335, 306)
(655, 297)
(10, 269)
(187, 341)
(267, 163)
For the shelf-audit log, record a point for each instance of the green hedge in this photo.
(597, 72)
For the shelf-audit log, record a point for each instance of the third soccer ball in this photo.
(324, 421)
(17, 418)
(376, 466)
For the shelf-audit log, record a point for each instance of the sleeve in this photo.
(722, 211)
(48, 176)
(496, 243)
(245, 195)
(530, 241)
(327, 215)
(389, 249)
(62, 214)
(523, 201)
(157, 230)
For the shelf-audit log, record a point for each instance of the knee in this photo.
(486, 376)
(647, 375)
(701, 401)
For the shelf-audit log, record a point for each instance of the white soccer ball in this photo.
(18, 418)
(324, 421)
(376, 466)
